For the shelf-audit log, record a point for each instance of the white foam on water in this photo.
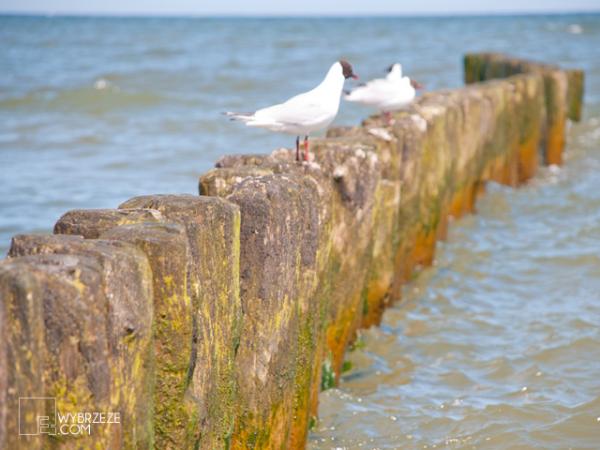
(101, 84)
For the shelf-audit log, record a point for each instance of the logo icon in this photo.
(37, 415)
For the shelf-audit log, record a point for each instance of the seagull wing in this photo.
(303, 109)
(373, 92)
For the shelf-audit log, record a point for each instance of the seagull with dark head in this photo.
(387, 94)
(304, 113)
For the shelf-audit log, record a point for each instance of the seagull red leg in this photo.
(388, 117)
(306, 151)
(297, 148)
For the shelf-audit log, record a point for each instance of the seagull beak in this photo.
(354, 76)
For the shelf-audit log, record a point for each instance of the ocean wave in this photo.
(102, 96)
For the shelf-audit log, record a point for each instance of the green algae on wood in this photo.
(279, 238)
(121, 293)
(86, 358)
(212, 227)
(575, 94)
(563, 93)
(165, 246)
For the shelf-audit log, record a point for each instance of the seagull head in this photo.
(394, 72)
(347, 69)
(395, 68)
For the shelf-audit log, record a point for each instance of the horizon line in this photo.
(196, 15)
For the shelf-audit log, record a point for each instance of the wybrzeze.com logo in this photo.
(39, 416)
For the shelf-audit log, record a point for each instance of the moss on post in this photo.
(89, 304)
(165, 246)
(575, 94)
(212, 227)
(563, 93)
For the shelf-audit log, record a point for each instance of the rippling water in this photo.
(498, 346)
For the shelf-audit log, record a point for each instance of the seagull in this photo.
(304, 113)
(387, 94)
(394, 72)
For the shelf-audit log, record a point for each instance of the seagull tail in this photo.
(244, 117)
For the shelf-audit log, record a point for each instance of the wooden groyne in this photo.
(210, 321)
(563, 93)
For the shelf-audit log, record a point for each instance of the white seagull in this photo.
(387, 94)
(394, 72)
(305, 113)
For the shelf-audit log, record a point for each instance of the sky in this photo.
(298, 7)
